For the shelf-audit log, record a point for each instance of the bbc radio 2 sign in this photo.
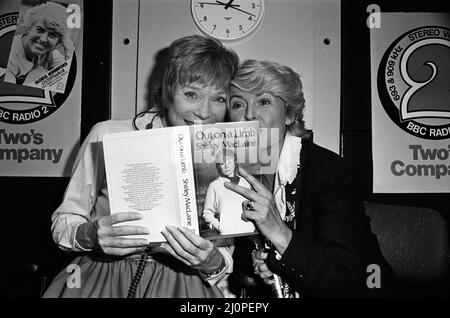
(39, 126)
(410, 70)
(414, 82)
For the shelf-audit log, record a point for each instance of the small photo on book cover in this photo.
(43, 45)
(218, 151)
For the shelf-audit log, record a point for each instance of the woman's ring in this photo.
(249, 205)
(256, 269)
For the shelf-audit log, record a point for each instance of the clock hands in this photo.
(233, 6)
(228, 4)
(227, 25)
(220, 4)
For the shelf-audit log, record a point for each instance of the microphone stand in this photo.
(277, 285)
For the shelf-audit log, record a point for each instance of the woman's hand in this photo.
(192, 249)
(68, 46)
(265, 214)
(102, 235)
(260, 267)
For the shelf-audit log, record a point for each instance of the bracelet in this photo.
(223, 264)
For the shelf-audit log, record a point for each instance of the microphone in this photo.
(277, 284)
(276, 281)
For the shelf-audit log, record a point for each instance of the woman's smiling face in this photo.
(227, 167)
(40, 40)
(197, 104)
(268, 109)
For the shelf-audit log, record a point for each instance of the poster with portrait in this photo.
(39, 128)
(410, 72)
(43, 44)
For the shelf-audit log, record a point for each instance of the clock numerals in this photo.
(213, 29)
(227, 20)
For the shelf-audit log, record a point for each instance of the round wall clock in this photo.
(228, 20)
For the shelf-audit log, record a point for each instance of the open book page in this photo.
(218, 151)
(150, 172)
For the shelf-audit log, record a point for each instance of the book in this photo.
(175, 175)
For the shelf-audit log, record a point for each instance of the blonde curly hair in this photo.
(52, 15)
(279, 80)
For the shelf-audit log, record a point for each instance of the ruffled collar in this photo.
(287, 167)
(289, 160)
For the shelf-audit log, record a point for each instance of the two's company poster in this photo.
(40, 42)
(410, 73)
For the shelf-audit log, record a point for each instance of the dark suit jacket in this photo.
(333, 244)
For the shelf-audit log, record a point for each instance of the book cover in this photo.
(175, 175)
(218, 151)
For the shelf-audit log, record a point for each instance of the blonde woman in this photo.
(310, 211)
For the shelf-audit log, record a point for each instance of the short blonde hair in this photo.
(52, 14)
(222, 155)
(259, 77)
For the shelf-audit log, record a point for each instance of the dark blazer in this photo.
(333, 244)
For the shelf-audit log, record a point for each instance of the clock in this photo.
(228, 20)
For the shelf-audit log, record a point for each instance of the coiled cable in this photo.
(137, 276)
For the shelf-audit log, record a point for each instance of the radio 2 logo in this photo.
(23, 104)
(414, 82)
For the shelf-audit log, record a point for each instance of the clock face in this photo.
(228, 20)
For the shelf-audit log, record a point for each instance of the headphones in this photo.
(143, 113)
